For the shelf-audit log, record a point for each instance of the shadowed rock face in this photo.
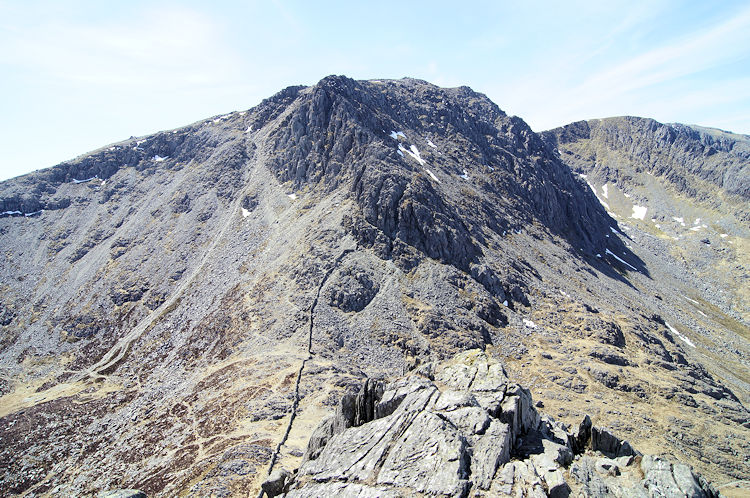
(179, 311)
(372, 138)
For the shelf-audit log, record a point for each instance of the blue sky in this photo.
(77, 74)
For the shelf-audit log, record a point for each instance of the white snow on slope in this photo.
(465, 175)
(11, 212)
(620, 259)
(639, 212)
(245, 213)
(679, 220)
(605, 189)
(83, 181)
(432, 175)
(593, 189)
(292, 196)
(396, 134)
(414, 152)
(429, 142)
(529, 323)
(157, 158)
(682, 337)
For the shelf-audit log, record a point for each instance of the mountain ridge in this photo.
(197, 287)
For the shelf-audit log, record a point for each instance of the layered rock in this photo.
(463, 428)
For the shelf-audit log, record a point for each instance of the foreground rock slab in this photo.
(462, 428)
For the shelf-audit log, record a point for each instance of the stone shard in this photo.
(603, 440)
(491, 451)
(276, 483)
(580, 438)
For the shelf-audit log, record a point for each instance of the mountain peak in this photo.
(179, 311)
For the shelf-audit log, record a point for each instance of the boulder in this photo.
(276, 482)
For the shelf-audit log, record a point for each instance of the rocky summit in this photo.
(464, 429)
(181, 312)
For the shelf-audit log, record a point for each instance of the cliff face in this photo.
(705, 164)
(180, 311)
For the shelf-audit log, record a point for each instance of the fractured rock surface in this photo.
(464, 429)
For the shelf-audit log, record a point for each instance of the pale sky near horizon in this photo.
(80, 74)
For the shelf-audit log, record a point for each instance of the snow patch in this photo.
(414, 152)
(429, 142)
(627, 195)
(723, 235)
(605, 190)
(682, 337)
(564, 293)
(34, 213)
(679, 220)
(505, 303)
(529, 323)
(612, 229)
(593, 189)
(400, 153)
(639, 212)
(84, 181)
(249, 129)
(432, 175)
(11, 212)
(465, 176)
(292, 196)
(396, 134)
(245, 213)
(157, 158)
(620, 259)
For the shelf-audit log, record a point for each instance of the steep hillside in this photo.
(683, 184)
(179, 311)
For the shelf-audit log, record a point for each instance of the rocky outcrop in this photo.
(373, 138)
(463, 428)
(691, 159)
